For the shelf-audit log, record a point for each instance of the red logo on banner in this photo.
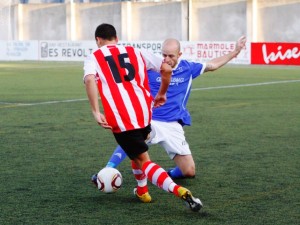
(275, 53)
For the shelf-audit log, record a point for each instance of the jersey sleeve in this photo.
(153, 62)
(197, 69)
(89, 66)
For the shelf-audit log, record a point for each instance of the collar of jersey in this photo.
(177, 64)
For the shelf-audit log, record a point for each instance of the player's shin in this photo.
(159, 177)
(116, 158)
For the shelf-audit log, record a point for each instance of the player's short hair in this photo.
(106, 32)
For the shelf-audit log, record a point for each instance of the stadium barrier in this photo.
(254, 53)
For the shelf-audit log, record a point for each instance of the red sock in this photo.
(175, 191)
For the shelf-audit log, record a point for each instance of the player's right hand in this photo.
(101, 120)
(159, 100)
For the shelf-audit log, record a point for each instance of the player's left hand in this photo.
(240, 44)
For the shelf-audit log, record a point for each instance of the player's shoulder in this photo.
(187, 64)
(153, 72)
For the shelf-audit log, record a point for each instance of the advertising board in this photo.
(275, 53)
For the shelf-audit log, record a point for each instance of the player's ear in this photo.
(98, 41)
(179, 54)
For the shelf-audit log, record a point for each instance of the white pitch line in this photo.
(54, 102)
(193, 89)
(245, 85)
(43, 103)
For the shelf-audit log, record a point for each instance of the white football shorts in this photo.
(170, 135)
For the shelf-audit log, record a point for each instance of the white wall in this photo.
(207, 20)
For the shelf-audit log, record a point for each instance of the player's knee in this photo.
(190, 175)
(190, 172)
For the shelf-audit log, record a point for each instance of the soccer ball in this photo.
(109, 180)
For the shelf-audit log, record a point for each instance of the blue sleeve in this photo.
(196, 69)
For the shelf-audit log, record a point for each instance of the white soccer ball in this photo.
(109, 180)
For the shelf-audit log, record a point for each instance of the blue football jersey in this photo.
(178, 92)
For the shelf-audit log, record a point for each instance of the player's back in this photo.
(123, 81)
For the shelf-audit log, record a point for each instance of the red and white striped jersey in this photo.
(122, 79)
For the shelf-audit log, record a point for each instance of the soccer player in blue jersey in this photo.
(168, 120)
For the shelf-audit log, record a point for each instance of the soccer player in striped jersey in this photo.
(168, 120)
(119, 74)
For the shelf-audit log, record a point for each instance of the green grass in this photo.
(245, 142)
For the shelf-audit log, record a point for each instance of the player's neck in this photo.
(102, 42)
(107, 42)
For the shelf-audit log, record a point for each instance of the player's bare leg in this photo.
(186, 164)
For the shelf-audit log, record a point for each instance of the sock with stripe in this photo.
(141, 179)
(116, 158)
(159, 177)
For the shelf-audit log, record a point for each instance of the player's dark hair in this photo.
(106, 32)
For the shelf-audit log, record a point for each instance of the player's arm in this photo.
(216, 63)
(92, 93)
(165, 73)
(153, 62)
